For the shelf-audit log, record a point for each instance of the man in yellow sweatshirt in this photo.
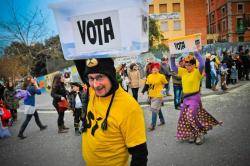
(114, 125)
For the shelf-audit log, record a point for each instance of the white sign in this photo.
(184, 44)
(97, 32)
(165, 16)
(99, 29)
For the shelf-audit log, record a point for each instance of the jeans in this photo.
(135, 93)
(177, 95)
(154, 118)
(213, 79)
(27, 120)
(60, 121)
(167, 87)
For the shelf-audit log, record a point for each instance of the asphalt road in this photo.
(227, 145)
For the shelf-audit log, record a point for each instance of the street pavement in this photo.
(227, 145)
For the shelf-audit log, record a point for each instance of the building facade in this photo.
(170, 16)
(228, 20)
(195, 18)
(180, 17)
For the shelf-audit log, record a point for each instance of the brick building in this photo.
(195, 18)
(228, 20)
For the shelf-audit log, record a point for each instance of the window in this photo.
(151, 9)
(224, 27)
(241, 39)
(240, 8)
(177, 25)
(212, 17)
(223, 11)
(240, 25)
(176, 7)
(164, 26)
(163, 8)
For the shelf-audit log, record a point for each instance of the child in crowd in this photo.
(11, 102)
(4, 132)
(77, 102)
(223, 72)
(234, 74)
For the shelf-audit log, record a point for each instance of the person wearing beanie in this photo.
(114, 126)
(165, 69)
(77, 103)
(155, 86)
(194, 121)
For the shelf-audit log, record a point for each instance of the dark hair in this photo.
(67, 74)
(132, 66)
(164, 59)
(56, 80)
(27, 82)
(246, 51)
(8, 84)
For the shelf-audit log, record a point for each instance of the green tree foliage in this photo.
(155, 36)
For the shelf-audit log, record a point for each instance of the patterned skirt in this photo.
(194, 120)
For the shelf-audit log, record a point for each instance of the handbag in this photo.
(63, 105)
(5, 114)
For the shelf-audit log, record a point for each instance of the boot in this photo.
(61, 130)
(65, 128)
(214, 88)
(151, 128)
(43, 127)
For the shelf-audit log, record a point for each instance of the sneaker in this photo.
(43, 127)
(151, 128)
(62, 131)
(178, 108)
(191, 140)
(199, 140)
(21, 136)
(162, 123)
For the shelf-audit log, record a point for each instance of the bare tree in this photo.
(25, 28)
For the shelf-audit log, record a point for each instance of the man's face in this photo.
(155, 70)
(100, 83)
(189, 67)
(165, 61)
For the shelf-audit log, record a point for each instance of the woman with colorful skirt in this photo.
(194, 121)
(155, 83)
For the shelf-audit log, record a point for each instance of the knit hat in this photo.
(104, 66)
(76, 84)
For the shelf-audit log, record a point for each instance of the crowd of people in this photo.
(228, 68)
(105, 114)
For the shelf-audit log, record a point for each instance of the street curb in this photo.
(202, 95)
(171, 100)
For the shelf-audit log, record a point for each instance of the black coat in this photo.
(57, 93)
